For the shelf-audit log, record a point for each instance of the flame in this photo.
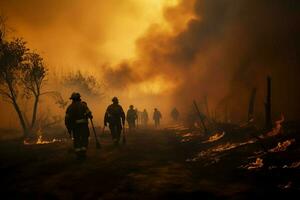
(277, 128)
(229, 146)
(41, 141)
(187, 135)
(213, 151)
(282, 146)
(254, 165)
(215, 137)
(293, 165)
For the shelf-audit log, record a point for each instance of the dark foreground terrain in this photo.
(171, 163)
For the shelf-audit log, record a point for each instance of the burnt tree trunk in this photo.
(18, 110)
(201, 116)
(251, 105)
(34, 112)
(268, 111)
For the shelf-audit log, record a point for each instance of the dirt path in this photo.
(151, 166)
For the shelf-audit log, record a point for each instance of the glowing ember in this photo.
(215, 137)
(282, 146)
(41, 141)
(185, 140)
(187, 135)
(255, 165)
(286, 186)
(295, 165)
(213, 151)
(228, 146)
(278, 127)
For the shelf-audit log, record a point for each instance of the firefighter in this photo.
(145, 117)
(115, 117)
(156, 117)
(175, 114)
(76, 121)
(131, 117)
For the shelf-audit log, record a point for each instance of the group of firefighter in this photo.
(78, 114)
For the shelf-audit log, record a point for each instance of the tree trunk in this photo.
(251, 105)
(34, 112)
(21, 118)
(268, 105)
(18, 110)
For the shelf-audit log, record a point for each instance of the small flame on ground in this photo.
(213, 151)
(294, 165)
(187, 135)
(254, 165)
(277, 129)
(41, 141)
(215, 137)
(286, 186)
(282, 146)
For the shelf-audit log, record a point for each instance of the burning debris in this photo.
(277, 129)
(177, 127)
(215, 137)
(285, 186)
(221, 148)
(40, 140)
(294, 165)
(254, 165)
(229, 146)
(282, 146)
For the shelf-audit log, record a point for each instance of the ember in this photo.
(282, 146)
(254, 165)
(41, 141)
(278, 127)
(213, 151)
(215, 137)
(229, 146)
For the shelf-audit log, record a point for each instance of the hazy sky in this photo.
(169, 52)
(83, 33)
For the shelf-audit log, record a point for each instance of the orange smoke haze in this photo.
(165, 53)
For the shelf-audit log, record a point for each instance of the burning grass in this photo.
(282, 146)
(215, 137)
(40, 141)
(254, 165)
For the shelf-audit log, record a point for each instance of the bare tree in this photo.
(34, 73)
(87, 84)
(12, 55)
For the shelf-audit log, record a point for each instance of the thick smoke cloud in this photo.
(215, 48)
(226, 48)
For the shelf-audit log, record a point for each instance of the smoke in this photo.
(215, 48)
(223, 49)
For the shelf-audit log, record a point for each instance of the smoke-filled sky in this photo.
(172, 51)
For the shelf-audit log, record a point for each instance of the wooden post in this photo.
(251, 105)
(268, 111)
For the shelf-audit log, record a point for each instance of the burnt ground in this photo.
(152, 165)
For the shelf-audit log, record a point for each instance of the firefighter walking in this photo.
(76, 121)
(115, 117)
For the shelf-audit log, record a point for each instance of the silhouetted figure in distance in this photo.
(156, 117)
(131, 117)
(175, 114)
(115, 117)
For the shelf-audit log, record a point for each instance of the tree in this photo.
(84, 83)
(12, 56)
(34, 73)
